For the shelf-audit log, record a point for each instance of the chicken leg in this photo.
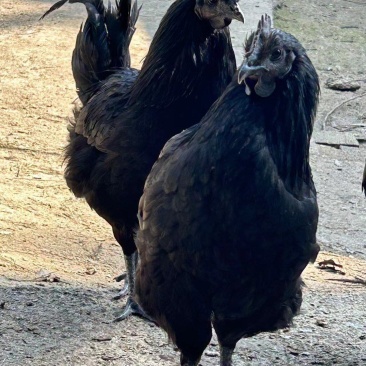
(130, 266)
(226, 354)
(131, 307)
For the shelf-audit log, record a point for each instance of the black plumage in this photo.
(128, 116)
(229, 214)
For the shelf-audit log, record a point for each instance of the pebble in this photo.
(343, 84)
(212, 354)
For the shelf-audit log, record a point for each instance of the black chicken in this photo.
(229, 214)
(127, 117)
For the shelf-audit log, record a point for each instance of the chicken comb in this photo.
(264, 27)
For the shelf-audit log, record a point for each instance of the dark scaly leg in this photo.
(131, 307)
(128, 246)
(228, 331)
(128, 277)
(125, 290)
(131, 258)
(226, 355)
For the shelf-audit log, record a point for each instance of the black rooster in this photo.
(127, 117)
(229, 214)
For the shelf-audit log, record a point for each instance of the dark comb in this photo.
(265, 24)
(264, 27)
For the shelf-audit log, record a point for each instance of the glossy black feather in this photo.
(120, 22)
(91, 57)
(53, 8)
(228, 217)
(97, 3)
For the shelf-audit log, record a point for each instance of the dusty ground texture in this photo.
(44, 230)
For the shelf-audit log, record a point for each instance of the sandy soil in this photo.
(58, 258)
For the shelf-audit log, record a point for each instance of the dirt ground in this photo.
(58, 258)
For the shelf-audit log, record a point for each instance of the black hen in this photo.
(126, 122)
(229, 214)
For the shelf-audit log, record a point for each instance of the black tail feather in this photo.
(97, 3)
(53, 7)
(91, 57)
(102, 45)
(120, 22)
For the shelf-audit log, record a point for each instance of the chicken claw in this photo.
(132, 308)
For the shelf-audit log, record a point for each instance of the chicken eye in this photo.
(276, 54)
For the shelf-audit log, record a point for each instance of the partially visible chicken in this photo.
(125, 123)
(229, 213)
(101, 69)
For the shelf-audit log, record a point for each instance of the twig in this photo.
(356, 280)
(110, 358)
(355, 125)
(347, 128)
(102, 339)
(338, 106)
(354, 2)
(328, 262)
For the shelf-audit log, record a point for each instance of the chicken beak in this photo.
(238, 14)
(246, 71)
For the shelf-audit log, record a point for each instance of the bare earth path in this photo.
(46, 233)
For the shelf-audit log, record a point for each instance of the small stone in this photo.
(293, 352)
(321, 323)
(342, 84)
(212, 354)
(90, 271)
